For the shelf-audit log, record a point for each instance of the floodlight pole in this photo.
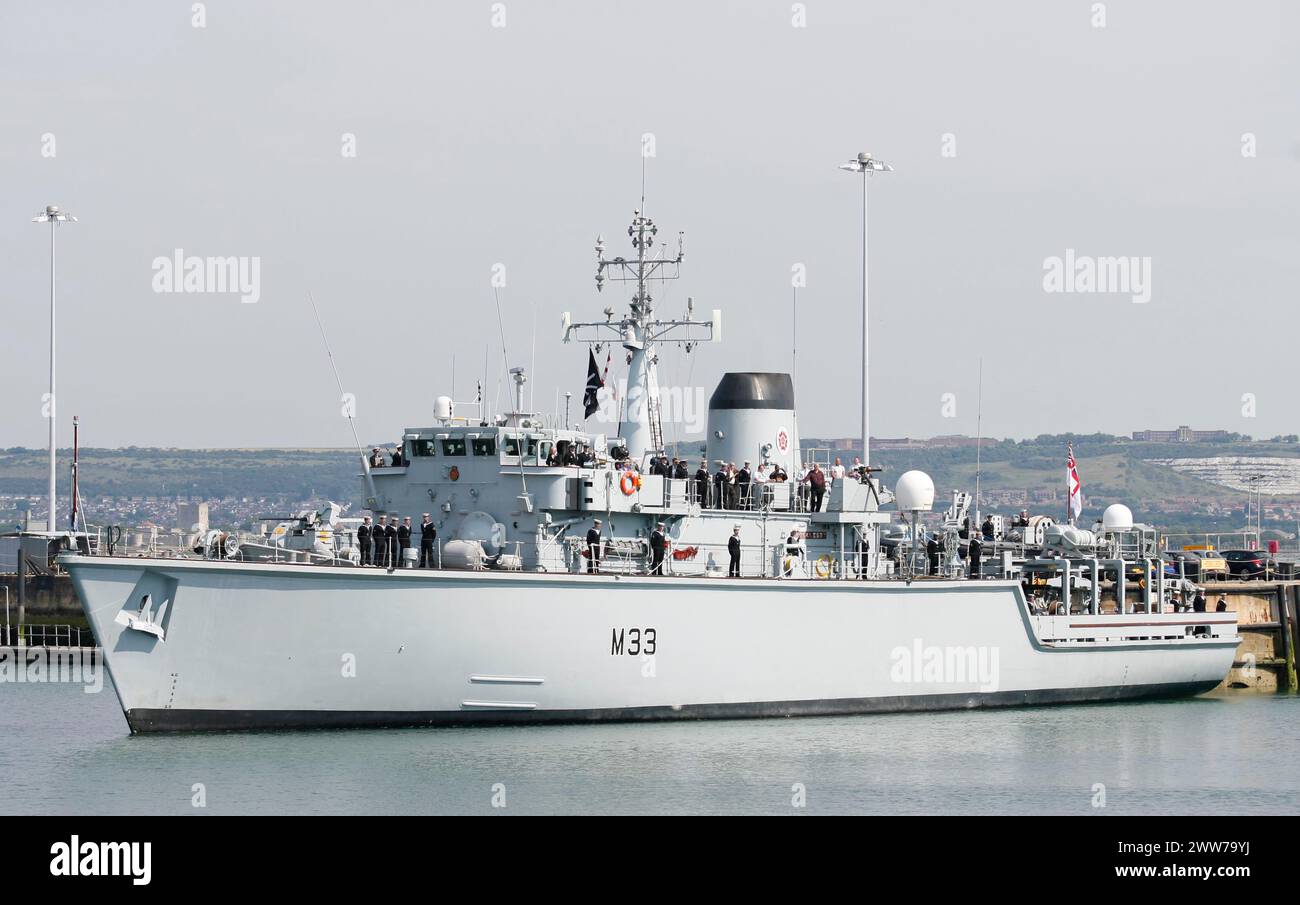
(865, 164)
(53, 216)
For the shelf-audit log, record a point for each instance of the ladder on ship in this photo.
(656, 429)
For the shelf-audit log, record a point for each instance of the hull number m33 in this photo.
(632, 641)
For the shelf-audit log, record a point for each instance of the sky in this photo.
(390, 158)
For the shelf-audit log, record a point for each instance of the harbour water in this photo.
(63, 751)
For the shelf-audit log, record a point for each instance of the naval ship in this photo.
(833, 611)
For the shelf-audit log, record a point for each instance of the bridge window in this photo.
(512, 446)
(421, 449)
(485, 446)
(453, 446)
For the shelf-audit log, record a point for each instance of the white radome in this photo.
(442, 407)
(914, 491)
(1117, 517)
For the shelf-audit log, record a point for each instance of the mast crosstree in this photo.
(640, 331)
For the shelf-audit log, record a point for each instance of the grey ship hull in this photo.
(253, 646)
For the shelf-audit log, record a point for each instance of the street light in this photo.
(867, 165)
(53, 216)
(1259, 506)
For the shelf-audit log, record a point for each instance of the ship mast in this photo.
(639, 331)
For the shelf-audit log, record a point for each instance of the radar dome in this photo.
(914, 491)
(442, 407)
(1117, 517)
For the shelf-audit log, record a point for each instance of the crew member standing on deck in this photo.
(975, 549)
(390, 544)
(380, 544)
(733, 550)
(428, 537)
(932, 552)
(702, 485)
(816, 481)
(657, 545)
(403, 541)
(376, 458)
(1198, 606)
(793, 552)
(363, 540)
(593, 547)
(744, 488)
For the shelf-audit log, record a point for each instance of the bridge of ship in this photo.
(451, 471)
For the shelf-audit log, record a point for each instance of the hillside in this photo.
(1154, 479)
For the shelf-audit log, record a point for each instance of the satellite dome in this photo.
(1117, 517)
(442, 407)
(914, 491)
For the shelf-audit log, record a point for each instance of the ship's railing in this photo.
(777, 496)
(59, 636)
(757, 560)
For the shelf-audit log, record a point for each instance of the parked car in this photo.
(1248, 563)
(1213, 565)
(1190, 562)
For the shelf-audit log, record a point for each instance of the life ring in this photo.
(630, 483)
(824, 565)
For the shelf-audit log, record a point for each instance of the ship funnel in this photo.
(751, 419)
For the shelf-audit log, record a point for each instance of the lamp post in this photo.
(53, 216)
(867, 165)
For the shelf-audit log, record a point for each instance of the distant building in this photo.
(895, 443)
(1184, 434)
(190, 514)
(950, 440)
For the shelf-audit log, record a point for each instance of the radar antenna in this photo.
(639, 331)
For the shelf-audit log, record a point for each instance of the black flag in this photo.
(594, 383)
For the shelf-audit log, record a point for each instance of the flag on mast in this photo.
(1075, 485)
(590, 404)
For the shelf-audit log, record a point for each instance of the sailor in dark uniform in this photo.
(376, 458)
(363, 540)
(974, 551)
(682, 471)
(744, 479)
(793, 551)
(719, 487)
(593, 547)
(403, 541)
(932, 553)
(390, 544)
(428, 538)
(377, 538)
(733, 550)
(657, 545)
(702, 485)
(864, 554)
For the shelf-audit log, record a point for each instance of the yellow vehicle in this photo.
(1213, 565)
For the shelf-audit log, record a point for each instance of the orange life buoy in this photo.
(630, 483)
(454, 474)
